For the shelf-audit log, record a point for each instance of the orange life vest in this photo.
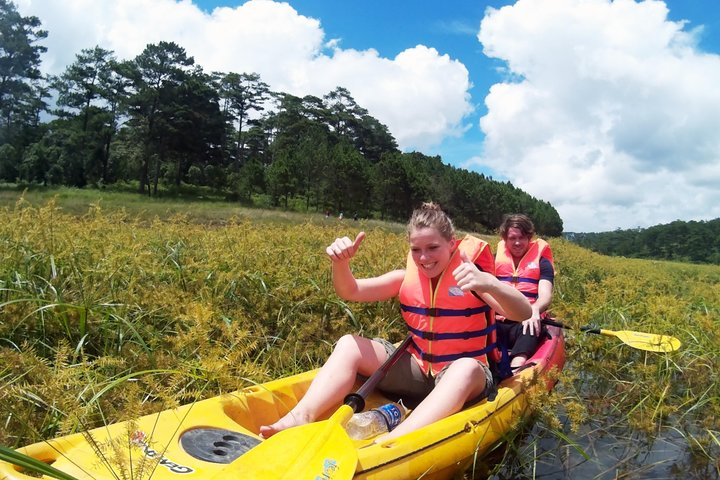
(526, 276)
(447, 323)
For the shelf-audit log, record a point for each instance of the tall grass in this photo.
(87, 300)
(110, 313)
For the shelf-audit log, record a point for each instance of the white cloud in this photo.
(420, 94)
(612, 116)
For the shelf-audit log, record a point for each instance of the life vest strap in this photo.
(445, 312)
(425, 335)
(513, 279)
(503, 366)
(429, 357)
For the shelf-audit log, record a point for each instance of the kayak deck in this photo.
(202, 439)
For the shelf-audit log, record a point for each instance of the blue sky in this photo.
(451, 27)
(393, 26)
(609, 110)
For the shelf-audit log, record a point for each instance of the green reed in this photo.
(106, 315)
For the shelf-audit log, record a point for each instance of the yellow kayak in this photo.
(203, 440)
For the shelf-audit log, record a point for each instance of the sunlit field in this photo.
(112, 308)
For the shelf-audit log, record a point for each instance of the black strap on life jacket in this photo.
(433, 336)
(429, 357)
(514, 279)
(445, 312)
(503, 366)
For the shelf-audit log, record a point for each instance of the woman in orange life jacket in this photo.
(527, 265)
(447, 302)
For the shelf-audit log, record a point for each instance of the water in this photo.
(619, 385)
(600, 451)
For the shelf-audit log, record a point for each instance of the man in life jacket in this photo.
(527, 265)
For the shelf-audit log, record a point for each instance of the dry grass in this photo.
(193, 304)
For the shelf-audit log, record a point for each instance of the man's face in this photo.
(517, 242)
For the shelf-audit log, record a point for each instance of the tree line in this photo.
(161, 121)
(693, 241)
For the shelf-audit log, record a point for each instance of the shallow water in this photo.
(613, 453)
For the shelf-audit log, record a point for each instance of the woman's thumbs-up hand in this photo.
(344, 248)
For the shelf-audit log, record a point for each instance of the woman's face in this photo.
(517, 242)
(430, 251)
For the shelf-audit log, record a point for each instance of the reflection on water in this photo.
(601, 452)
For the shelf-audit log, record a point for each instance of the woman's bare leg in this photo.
(351, 355)
(462, 381)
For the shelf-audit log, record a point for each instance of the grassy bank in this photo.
(197, 206)
(111, 309)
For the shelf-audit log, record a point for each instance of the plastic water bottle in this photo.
(376, 421)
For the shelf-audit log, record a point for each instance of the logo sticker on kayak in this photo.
(139, 438)
(330, 467)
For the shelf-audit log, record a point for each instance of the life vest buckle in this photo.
(431, 336)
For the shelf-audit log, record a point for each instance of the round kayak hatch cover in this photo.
(216, 445)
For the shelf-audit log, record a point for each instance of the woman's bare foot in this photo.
(289, 420)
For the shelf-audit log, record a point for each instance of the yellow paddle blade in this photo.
(317, 450)
(645, 341)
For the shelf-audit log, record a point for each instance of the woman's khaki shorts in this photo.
(406, 378)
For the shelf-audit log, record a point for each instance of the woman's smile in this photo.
(430, 251)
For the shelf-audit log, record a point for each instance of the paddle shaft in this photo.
(357, 400)
(553, 323)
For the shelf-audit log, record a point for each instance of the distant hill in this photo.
(693, 241)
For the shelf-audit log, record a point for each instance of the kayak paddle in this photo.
(651, 342)
(315, 450)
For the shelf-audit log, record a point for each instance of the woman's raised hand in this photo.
(344, 248)
(469, 277)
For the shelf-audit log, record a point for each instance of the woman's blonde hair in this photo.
(430, 215)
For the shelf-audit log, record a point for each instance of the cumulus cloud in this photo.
(421, 94)
(609, 111)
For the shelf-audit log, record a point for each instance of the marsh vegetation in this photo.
(109, 311)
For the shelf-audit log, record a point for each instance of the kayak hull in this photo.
(201, 440)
